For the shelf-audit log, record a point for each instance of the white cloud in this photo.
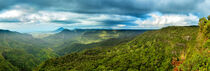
(159, 20)
(11, 14)
(48, 16)
(121, 25)
(102, 17)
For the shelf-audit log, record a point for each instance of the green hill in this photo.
(170, 48)
(21, 52)
(68, 41)
(4, 64)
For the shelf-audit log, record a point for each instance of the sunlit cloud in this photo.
(158, 20)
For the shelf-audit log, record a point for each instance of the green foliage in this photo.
(20, 59)
(6, 66)
(151, 51)
(22, 52)
(196, 61)
(92, 39)
(198, 57)
(155, 50)
(77, 47)
(205, 27)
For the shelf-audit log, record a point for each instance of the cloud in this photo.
(11, 14)
(47, 15)
(25, 18)
(129, 7)
(64, 21)
(49, 20)
(158, 20)
(121, 25)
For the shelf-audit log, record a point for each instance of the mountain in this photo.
(68, 41)
(167, 49)
(46, 33)
(21, 51)
(59, 29)
(4, 31)
(77, 47)
(24, 52)
(62, 37)
(149, 51)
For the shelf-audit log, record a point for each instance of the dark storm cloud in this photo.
(131, 7)
(6, 3)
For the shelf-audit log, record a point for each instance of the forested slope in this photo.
(21, 52)
(68, 41)
(171, 48)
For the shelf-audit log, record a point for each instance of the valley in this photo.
(25, 52)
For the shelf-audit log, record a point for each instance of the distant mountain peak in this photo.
(5, 31)
(60, 29)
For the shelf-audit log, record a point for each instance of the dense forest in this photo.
(23, 52)
(171, 48)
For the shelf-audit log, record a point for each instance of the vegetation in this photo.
(93, 38)
(171, 48)
(197, 57)
(22, 52)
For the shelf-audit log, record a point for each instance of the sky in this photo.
(48, 15)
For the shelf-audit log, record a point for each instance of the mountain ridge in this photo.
(168, 49)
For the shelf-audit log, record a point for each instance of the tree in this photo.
(204, 27)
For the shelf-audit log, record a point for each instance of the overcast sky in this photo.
(48, 15)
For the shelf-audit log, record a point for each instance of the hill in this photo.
(21, 51)
(171, 48)
(68, 41)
